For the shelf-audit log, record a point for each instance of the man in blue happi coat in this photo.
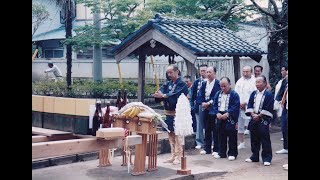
(260, 108)
(169, 94)
(226, 109)
(208, 89)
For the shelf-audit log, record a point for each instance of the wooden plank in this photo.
(83, 105)
(75, 146)
(48, 132)
(134, 139)
(133, 46)
(36, 139)
(181, 50)
(236, 68)
(41, 138)
(140, 157)
(48, 104)
(141, 78)
(65, 106)
(37, 103)
(191, 70)
(156, 35)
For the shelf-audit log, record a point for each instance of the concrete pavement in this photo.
(202, 167)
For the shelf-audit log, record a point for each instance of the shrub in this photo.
(83, 88)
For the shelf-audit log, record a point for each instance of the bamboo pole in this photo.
(34, 54)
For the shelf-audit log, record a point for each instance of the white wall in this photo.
(225, 66)
(129, 67)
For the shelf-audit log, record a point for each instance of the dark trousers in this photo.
(194, 121)
(259, 135)
(225, 134)
(284, 126)
(210, 133)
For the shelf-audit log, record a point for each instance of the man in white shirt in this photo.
(56, 72)
(244, 87)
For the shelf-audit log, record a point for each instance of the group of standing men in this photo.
(224, 114)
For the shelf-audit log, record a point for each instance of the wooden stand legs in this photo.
(153, 150)
(140, 157)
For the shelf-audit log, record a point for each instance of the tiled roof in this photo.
(201, 36)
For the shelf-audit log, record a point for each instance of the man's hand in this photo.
(224, 116)
(243, 105)
(255, 117)
(219, 116)
(158, 94)
(205, 105)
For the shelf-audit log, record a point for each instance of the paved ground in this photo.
(202, 166)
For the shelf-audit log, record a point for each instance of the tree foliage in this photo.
(123, 17)
(39, 15)
(277, 26)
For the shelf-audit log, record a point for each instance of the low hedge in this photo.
(88, 89)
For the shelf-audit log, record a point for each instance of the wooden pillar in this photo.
(153, 150)
(236, 68)
(191, 70)
(141, 78)
(140, 157)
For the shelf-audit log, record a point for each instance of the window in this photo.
(53, 53)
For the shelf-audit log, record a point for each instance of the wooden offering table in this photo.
(144, 127)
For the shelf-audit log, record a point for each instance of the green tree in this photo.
(229, 11)
(68, 13)
(39, 15)
(277, 26)
(123, 17)
(120, 18)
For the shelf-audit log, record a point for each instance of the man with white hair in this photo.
(244, 87)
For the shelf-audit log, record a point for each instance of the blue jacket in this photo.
(172, 92)
(215, 89)
(267, 106)
(233, 105)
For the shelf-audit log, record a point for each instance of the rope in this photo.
(120, 76)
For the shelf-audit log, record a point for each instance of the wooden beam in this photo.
(181, 50)
(141, 78)
(133, 46)
(75, 146)
(41, 138)
(191, 70)
(36, 139)
(48, 132)
(236, 68)
(156, 35)
(140, 158)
